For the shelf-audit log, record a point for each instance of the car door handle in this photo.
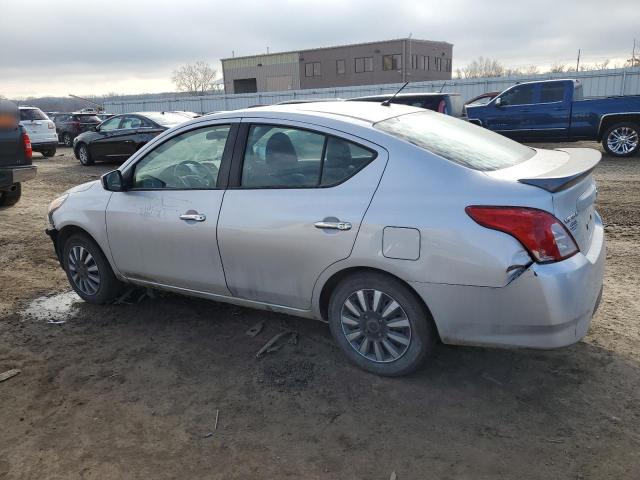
(196, 217)
(333, 225)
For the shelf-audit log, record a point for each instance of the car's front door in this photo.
(105, 143)
(162, 230)
(294, 206)
(510, 113)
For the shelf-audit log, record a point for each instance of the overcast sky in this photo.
(56, 47)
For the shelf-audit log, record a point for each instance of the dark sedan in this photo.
(120, 136)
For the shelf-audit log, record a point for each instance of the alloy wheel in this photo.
(622, 140)
(84, 155)
(68, 141)
(84, 270)
(375, 325)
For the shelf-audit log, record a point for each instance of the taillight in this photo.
(542, 234)
(51, 125)
(26, 142)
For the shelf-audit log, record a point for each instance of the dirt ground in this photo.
(133, 391)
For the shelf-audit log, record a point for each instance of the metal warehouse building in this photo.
(373, 63)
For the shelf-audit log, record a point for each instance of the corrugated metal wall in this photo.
(600, 83)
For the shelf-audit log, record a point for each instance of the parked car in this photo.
(15, 155)
(397, 225)
(555, 110)
(41, 130)
(104, 116)
(447, 103)
(122, 135)
(482, 99)
(187, 114)
(70, 125)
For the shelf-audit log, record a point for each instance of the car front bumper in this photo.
(547, 306)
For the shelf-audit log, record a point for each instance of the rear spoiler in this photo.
(580, 164)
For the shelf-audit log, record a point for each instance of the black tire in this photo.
(629, 131)
(84, 155)
(49, 153)
(108, 286)
(11, 197)
(421, 331)
(67, 140)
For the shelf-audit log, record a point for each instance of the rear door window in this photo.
(552, 92)
(286, 157)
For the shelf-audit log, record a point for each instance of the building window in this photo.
(341, 67)
(437, 63)
(364, 64)
(392, 62)
(414, 62)
(312, 69)
(427, 64)
(448, 64)
(421, 62)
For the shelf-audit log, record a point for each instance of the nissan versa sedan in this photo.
(398, 226)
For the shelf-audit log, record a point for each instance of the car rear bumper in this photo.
(16, 174)
(547, 306)
(44, 145)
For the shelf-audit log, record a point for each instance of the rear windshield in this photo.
(32, 114)
(87, 118)
(166, 119)
(456, 140)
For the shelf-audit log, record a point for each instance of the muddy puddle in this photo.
(56, 309)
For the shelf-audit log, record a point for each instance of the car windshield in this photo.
(32, 114)
(457, 141)
(87, 118)
(167, 119)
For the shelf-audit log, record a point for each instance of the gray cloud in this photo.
(118, 45)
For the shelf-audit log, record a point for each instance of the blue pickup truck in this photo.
(555, 110)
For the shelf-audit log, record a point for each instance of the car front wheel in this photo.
(622, 139)
(380, 324)
(11, 196)
(88, 271)
(84, 155)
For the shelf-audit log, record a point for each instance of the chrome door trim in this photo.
(333, 225)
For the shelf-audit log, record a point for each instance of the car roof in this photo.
(384, 96)
(361, 112)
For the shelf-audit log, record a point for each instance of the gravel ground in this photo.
(134, 390)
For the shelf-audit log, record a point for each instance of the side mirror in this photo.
(498, 102)
(112, 181)
(96, 128)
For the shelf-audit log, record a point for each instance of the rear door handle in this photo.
(196, 217)
(333, 225)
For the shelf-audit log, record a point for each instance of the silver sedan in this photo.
(399, 227)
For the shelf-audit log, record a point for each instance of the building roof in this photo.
(336, 46)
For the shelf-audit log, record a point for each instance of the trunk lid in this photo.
(567, 175)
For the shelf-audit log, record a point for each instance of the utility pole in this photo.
(578, 62)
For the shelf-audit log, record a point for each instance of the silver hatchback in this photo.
(398, 226)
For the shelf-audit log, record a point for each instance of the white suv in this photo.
(41, 130)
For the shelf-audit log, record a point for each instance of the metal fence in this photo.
(598, 83)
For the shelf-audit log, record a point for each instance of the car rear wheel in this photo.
(67, 140)
(380, 324)
(622, 139)
(84, 155)
(49, 153)
(11, 197)
(88, 271)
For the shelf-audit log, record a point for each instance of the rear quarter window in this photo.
(457, 141)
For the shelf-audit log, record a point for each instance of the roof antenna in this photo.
(387, 102)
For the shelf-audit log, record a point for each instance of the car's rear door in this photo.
(296, 199)
(162, 230)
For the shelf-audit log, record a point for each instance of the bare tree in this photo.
(558, 68)
(481, 67)
(195, 79)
